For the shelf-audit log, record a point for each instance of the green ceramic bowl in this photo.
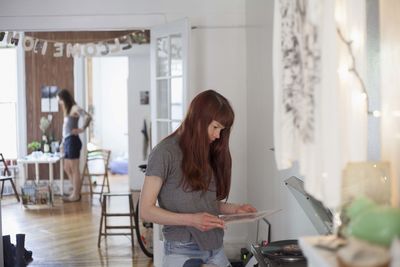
(379, 225)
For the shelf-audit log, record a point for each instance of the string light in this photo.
(352, 68)
(376, 113)
(364, 95)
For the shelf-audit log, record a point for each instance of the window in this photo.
(8, 102)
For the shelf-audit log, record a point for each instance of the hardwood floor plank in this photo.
(66, 234)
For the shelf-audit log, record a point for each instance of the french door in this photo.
(169, 67)
(169, 46)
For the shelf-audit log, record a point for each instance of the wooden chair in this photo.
(96, 165)
(7, 175)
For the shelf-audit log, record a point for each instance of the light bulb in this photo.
(356, 39)
(364, 95)
(376, 113)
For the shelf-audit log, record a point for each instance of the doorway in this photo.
(117, 91)
(107, 91)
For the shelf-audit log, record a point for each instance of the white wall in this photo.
(139, 80)
(266, 189)
(223, 68)
(102, 14)
(110, 118)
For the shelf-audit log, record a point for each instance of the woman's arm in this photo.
(149, 211)
(80, 112)
(231, 208)
(88, 117)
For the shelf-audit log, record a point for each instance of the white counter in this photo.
(316, 257)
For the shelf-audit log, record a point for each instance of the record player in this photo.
(279, 253)
(287, 252)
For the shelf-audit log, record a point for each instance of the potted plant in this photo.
(34, 146)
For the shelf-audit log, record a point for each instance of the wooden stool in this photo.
(105, 214)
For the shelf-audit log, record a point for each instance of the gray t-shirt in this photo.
(165, 162)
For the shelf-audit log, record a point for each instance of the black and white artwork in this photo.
(144, 97)
(300, 66)
(49, 102)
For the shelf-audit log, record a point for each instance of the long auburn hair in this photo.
(201, 159)
(68, 100)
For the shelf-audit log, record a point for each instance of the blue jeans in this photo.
(177, 253)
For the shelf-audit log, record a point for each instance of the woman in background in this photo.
(71, 144)
(189, 173)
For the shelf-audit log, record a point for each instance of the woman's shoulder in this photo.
(75, 110)
(167, 150)
(168, 144)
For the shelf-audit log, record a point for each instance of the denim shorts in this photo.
(72, 147)
(188, 254)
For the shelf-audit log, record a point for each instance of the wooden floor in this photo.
(66, 235)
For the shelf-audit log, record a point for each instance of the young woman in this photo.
(71, 144)
(189, 173)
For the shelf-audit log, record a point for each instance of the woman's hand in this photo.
(76, 131)
(245, 208)
(205, 221)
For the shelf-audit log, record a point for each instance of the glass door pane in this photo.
(176, 90)
(176, 112)
(163, 129)
(176, 55)
(162, 57)
(163, 99)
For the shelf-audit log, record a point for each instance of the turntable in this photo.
(279, 253)
(287, 252)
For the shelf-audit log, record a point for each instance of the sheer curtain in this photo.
(320, 114)
(390, 91)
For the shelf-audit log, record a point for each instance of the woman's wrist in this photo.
(237, 207)
(229, 208)
(187, 219)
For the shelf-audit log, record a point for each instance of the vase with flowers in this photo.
(44, 125)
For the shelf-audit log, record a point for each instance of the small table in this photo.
(50, 159)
